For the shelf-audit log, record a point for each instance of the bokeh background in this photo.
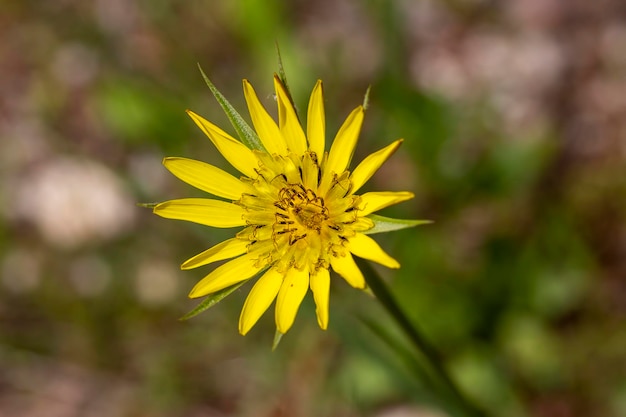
(514, 119)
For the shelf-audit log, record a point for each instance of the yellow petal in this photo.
(259, 299)
(288, 121)
(213, 213)
(310, 172)
(315, 121)
(225, 250)
(235, 152)
(320, 285)
(291, 294)
(362, 224)
(206, 177)
(370, 165)
(365, 247)
(348, 269)
(374, 201)
(265, 126)
(232, 272)
(343, 146)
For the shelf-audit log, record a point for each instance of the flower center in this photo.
(299, 211)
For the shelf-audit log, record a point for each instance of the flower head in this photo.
(297, 205)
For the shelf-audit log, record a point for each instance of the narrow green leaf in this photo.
(422, 346)
(211, 300)
(277, 336)
(431, 387)
(246, 134)
(148, 205)
(387, 224)
(384, 296)
(413, 363)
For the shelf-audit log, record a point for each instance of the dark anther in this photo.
(294, 239)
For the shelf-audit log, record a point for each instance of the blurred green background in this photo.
(515, 145)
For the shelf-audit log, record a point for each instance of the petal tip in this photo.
(157, 207)
(243, 330)
(196, 293)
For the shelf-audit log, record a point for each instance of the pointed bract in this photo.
(381, 224)
(245, 132)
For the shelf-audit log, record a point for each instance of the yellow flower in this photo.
(297, 205)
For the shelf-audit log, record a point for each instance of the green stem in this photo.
(382, 293)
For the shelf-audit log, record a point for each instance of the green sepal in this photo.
(367, 290)
(246, 134)
(277, 336)
(211, 300)
(283, 79)
(366, 98)
(387, 224)
(148, 205)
